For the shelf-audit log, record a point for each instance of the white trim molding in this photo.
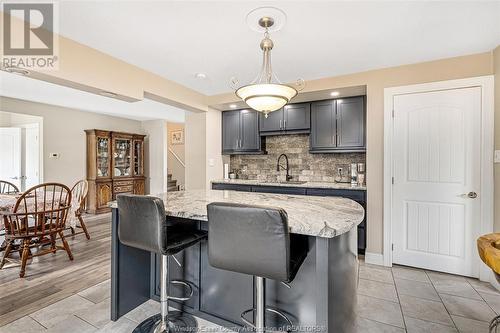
(374, 258)
(486, 83)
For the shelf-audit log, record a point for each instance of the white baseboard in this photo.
(374, 258)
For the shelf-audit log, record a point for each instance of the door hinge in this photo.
(392, 247)
(392, 180)
(392, 113)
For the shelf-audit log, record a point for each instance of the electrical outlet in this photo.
(497, 156)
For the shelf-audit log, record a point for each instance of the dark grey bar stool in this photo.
(143, 225)
(256, 241)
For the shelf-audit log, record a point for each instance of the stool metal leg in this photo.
(168, 321)
(163, 327)
(260, 313)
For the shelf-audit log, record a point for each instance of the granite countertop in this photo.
(313, 216)
(326, 185)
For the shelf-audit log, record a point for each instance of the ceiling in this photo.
(320, 39)
(26, 88)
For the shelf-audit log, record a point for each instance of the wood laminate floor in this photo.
(53, 277)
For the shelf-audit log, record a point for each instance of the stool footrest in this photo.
(185, 284)
(275, 311)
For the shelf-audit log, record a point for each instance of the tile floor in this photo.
(389, 300)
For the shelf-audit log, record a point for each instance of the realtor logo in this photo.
(29, 38)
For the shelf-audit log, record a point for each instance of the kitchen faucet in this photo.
(278, 166)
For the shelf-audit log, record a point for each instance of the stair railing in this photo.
(177, 157)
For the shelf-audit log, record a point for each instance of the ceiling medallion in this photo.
(266, 93)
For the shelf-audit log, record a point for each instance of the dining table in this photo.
(8, 202)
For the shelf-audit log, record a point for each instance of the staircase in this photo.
(172, 184)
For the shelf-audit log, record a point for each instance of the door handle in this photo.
(470, 195)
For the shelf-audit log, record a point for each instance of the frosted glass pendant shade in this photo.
(266, 97)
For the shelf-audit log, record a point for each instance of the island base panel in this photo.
(322, 295)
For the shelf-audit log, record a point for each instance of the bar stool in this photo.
(256, 241)
(143, 225)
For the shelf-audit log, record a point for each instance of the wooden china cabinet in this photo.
(115, 164)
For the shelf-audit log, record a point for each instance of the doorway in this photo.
(21, 149)
(438, 161)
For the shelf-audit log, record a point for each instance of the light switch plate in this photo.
(497, 156)
(211, 162)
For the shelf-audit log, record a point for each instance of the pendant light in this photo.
(266, 93)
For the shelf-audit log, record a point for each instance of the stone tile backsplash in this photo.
(303, 165)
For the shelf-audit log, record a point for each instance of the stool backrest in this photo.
(142, 222)
(249, 239)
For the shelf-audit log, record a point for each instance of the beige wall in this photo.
(155, 151)
(376, 81)
(196, 150)
(174, 166)
(204, 161)
(63, 133)
(496, 64)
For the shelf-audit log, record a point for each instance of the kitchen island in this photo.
(322, 297)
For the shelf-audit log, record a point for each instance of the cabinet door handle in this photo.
(280, 123)
(284, 124)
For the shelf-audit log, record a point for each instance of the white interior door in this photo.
(10, 155)
(32, 156)
(436, 168)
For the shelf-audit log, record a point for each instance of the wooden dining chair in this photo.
(8, 188)
(40, 213)
(78, 196)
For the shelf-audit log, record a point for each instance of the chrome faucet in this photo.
(278, 166)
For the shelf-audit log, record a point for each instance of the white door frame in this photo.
(486, 83)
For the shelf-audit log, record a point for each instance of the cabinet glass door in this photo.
(122, 157)
(138, 158)
(103, 157)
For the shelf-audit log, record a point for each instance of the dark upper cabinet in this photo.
(323, 125)
(351, 123)
(230, 130)
(291, 119)
(297, 117)
(240, 132)
(249, 130)
(338, 125)
(273, 122)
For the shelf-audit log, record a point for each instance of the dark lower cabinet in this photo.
(279, 190)
(220, 286)
(232, 187)
(357, 195)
